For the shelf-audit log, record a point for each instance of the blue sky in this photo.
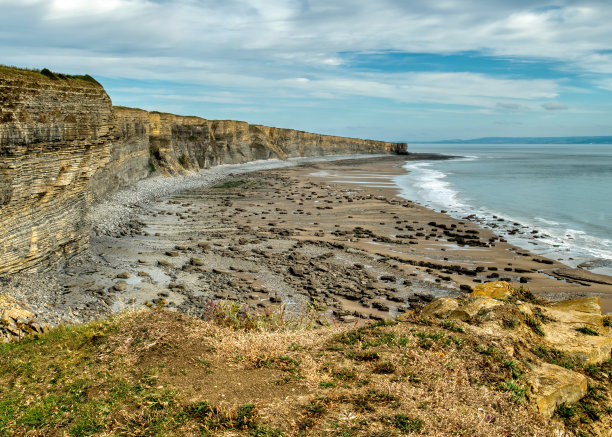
(398, 70)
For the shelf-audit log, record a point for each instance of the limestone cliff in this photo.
(63, 146)
(54, 135)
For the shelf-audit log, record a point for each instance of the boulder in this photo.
(551, 385)
(296, 270)
(12, 310)
(196, 261)
(120, 286)
(470, 310)
(440, 308)
(495, 290)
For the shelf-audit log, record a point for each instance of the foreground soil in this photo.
(157, 372)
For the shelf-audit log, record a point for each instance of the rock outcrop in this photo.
(63, 146)
(556, 340)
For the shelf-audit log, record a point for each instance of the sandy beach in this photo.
(332, 235)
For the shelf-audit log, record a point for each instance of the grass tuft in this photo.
(239, 317)
(229, 184)
(587, 330)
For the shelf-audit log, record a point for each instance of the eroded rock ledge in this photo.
(562, 344)
(64, 146)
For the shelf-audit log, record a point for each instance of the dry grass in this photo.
(158, 372)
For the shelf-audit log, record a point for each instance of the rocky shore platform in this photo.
(332, 235)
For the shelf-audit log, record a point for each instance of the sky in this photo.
(395, 70)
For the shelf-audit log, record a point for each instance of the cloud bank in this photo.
(268, 56)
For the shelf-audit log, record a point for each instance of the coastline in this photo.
(520, 191)
(329, 233)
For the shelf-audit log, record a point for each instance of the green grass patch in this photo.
(485, 350)
(555, 356)
(534, 323)
(518, 392)
(512, 366)
(587, 330)
(229, 184)
(406, 424)
(451, 326)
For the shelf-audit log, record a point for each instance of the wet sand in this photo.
(333, 235)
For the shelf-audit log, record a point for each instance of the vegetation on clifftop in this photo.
(157, 372)
(4, 69)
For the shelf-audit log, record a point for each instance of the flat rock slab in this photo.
(551, 385)
(13, 310)
(576, 313)
(590, 305)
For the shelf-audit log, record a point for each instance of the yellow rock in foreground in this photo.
(469, 311)
(591, 305)
(496, 290)
(12, 310)
(552, 385)
(441, 307)
(558, 327)
(561, 333)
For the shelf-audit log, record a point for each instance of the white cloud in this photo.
(320, 29)
(296, 49)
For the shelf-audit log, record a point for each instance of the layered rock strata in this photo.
(63, 146)
(54, 136)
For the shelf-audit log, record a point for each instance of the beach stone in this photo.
(196, 262)
(120, 286)
(441, 307)
(172, 253)
(164, 263)
(296, 271)
(495, 290)
(123, 275)
(551, 385)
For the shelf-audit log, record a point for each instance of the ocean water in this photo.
(564, 192)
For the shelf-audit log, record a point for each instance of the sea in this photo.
(554, 200)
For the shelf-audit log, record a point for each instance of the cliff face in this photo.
(63, 146)
(186, 143)
(54, 136)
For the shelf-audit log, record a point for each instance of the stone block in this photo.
(551, 385)
(440, 308)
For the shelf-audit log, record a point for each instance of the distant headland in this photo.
(526, 140)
